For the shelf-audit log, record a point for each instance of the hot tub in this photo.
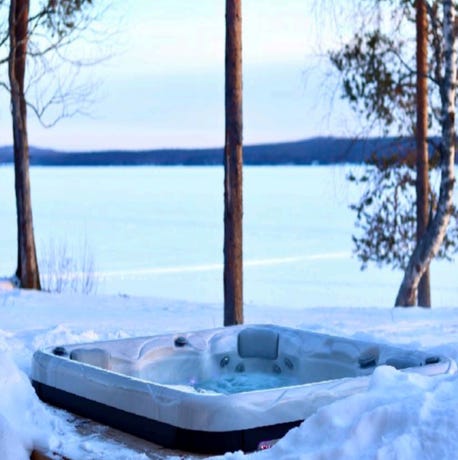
(216, 390)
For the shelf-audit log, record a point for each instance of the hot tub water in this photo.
(242, 382)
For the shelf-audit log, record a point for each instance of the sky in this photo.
(161, 80)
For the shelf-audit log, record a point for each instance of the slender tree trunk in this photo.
(431, 240)
(233, 161)
(422, 182)
(27, 268)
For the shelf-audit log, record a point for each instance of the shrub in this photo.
(67, 270)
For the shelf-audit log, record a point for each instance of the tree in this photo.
(386, 211)
(27, 267)
(381, 83)
(421, 134)
(58, 17)
(233, 162)
(430, 242)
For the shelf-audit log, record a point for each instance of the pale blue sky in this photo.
(164, 85)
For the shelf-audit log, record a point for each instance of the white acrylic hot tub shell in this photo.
(186, 409)
(173, 402)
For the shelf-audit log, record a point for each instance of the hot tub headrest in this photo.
(256, 342)
(93, 356)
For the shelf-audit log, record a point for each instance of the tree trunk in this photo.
(233, 162)
(422, 182)
(431, 240)
(27, 268)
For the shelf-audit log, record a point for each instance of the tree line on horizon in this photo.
(317, 150)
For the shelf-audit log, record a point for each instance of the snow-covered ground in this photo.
(401, 416)
(160, 251)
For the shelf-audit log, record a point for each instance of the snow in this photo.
(299, 274)
(400, 416)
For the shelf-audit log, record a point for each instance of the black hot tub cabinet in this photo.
(216, 390)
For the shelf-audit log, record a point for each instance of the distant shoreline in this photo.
(320, 150)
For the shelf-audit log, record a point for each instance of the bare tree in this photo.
(233, 168)
(430, 242)
(27, 266)
(56, 23)
(421, 134)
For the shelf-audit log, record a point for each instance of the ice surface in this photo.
(159, 231)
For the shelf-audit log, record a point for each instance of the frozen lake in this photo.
(158, 231)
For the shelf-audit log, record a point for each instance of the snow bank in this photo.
(401, 416)
(24, 421)
(11, 445)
